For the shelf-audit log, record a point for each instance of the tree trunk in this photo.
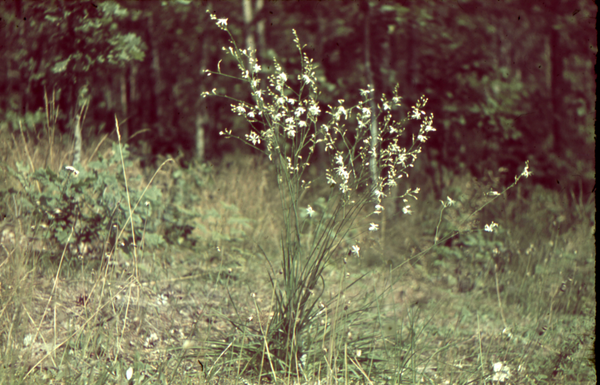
(372, 104)
(250, 41)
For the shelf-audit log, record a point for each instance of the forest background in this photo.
(508, 81)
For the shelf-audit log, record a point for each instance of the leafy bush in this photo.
(89, 209)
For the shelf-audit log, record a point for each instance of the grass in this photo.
(195, 312)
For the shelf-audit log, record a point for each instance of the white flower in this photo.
(309, 211)
(378, 209)
(428, 128)
(341, 110)
(222, 22)
(253, 138)
(314, 110)
(373, 226)
(283, 77)
(379, 194)
(251, 114)
(450, 201)
(501, 372)
(72, 169)
(422, 138)
(257, 68)
(366, 112)
(493, 193)
(355, 250)
(406, 210)
(341, 171)
(299, 111)
(240, 110)
(290, 131)
(416, 113)
(490, 228)
(129, 373)
(526, 171)
(306, 79)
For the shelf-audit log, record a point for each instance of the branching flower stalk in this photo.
(287, 124)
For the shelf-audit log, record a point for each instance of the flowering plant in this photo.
(288, 126)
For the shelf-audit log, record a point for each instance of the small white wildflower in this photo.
(301, 123)
(379, 194)
(386, 106)
(406, 210)
(306, 79)
(72, 169)
(341, 171)
(365, 92)
(239, 109)
(450, 201)
(366, 112)
(422, 138)
(493, 193)
(428, 128)
(373, 226)
(291, 101)
(290, 131)
(330, 180)
(501, 372)
(341, 110)
(378, 209)
(28, 340)
(253, 138)
(129, 373)
(251, 114)
(257, 68)
(416, 113)
(314, 110)
(299, 111)
(283, 77)
(309, 211)
(490, 228)
(355, 250)
(344, 188)
(222, 22)
(526, 171)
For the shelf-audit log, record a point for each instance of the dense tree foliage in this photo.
(507, 80)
